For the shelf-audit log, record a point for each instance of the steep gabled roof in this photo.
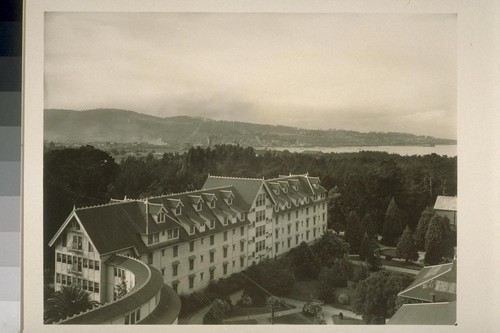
(446, 203)
(114, 227)
(425, 314)
(439, 281)
(246, 187)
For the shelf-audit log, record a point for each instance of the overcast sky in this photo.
(371, 72)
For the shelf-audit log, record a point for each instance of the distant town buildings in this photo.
(134, 252)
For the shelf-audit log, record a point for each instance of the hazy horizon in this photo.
(361, 72)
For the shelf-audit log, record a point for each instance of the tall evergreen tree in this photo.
(422, 226)
(364, 248)
(369, 225)
(394, 223)
(438, 242)
(354, 232)
(406, 248)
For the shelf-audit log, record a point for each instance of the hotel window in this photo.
(225, 268)
(225, 235)
(242, 247)
(201, 257)
(64, 240)
(225, 252)
(307, 210)
(212, 224)
(201, 276)
(85, 263)
(314, 209)
(324, 217)
(212, 255)
(201, 241)
(289, 242)
(277, 246)
(174, 286)
(234, 263)
(156, 237)
(277, 233)
(199, 206)
(296, 239)
(178, 210)
(212, 237)
(296, 214)
(162, 252)
(63, 279)
(242, 262)
(70, 259)
(234, 247)
(191, 230)
(150, 239)
(150, 258)
(260, 245)
(58, 278)
(175, 250)
(212, 274)
(161, 217)
(314, 220)
(96, 287)
(314, 232)
(296, 226)
(191, 282)
(91, 264)
(175, 269)
(307, 223)
(191, 264)
(191, 246)
(212, 204)
(289, 227)
(90, 247)
(260, 216)
(261, 200)
(234, 232)
(58, 255)
(163, 271)
(230, 200)
(77, 243)
(242, 231)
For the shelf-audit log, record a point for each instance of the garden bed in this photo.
(304, 290)
(294, 318)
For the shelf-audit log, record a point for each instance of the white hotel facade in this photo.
(189, 239)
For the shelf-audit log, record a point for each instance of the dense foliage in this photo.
(354, 232)
(329, 248)
(376, 296)
(304, 263)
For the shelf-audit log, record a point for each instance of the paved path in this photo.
(391, 268)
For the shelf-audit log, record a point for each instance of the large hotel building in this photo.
(137, 251)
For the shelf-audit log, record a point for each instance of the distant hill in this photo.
(120, 126)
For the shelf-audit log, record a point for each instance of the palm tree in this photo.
(67, 302)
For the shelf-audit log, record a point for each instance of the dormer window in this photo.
(191, 230)
(178, 210)
(285, 189)
(161, 217)
(212, 204)
(289, 204)
(75, 224)
(212, 224)
(199, 206)
(229, 200)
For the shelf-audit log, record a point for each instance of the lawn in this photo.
(304, 290)
(241, 322)
(255, 310)
(294, 318)
(347, 321)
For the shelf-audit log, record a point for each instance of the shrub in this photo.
(311, 309)
(195, 302)
(343, 299)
